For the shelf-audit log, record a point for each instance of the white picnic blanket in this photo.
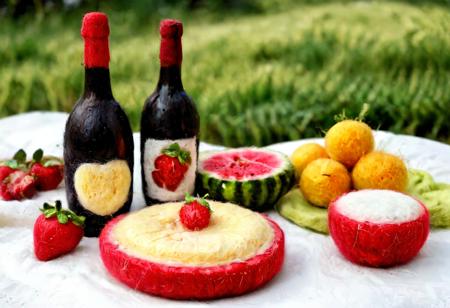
(314, 273)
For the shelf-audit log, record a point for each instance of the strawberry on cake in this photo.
(161, 249)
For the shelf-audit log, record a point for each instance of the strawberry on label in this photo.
(195, 213)
(56, 232)
(171, 167)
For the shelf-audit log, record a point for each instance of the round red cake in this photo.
(378, 228)
(150, 250)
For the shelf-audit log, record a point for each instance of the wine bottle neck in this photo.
(170, 76)
(97, 82)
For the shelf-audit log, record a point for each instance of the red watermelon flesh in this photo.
(243, 163)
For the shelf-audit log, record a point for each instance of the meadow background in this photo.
(260, 71)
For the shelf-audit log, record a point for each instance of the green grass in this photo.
(256, 79)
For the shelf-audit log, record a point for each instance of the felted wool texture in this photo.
(95, 31)
(191, 282)
(377, 244)
(152, 149)
(435, 196)
(294, 207)
(103, 188)
(171, 48)
(379, 206)
(156, 234)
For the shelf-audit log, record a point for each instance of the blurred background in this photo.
(260, 71)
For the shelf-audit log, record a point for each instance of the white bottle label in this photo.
(168, 178)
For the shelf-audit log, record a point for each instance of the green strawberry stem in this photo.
(202, 201)
(19, 160)
(174, 150)
(37, 155)
(20, 156)
(63, 215)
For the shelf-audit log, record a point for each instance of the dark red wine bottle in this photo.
(169, 127)
(98, 140)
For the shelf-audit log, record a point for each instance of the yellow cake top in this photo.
(156, 234)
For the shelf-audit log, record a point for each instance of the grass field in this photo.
(256, 78)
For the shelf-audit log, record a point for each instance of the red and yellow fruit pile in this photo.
(348, 161)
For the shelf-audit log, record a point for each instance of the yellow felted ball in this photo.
(348, 140)
(323, 180)
(305, 154)
(379, 170)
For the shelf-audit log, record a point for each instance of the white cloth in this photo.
(314, 273)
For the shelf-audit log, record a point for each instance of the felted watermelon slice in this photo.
(150, 250)
(251, 177)
(378, 228)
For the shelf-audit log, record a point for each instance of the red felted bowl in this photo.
(370, 237)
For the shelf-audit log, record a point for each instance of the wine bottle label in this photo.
(103, 188)
(169, 168)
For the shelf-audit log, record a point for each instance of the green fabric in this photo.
(436, 196)
(294, 207)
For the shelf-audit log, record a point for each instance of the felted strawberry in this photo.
(49, 171)
(15, 183)
(171, 167)
(195, 213)
(5, 171)
(56, 232)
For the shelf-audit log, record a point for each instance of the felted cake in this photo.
(152, 251)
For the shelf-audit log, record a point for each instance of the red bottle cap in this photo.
(171, 28)
(170, 52)
(95, 31)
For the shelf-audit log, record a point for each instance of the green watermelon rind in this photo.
(257, 194)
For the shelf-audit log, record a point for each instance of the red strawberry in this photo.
(5, 194)
(195, 213)
(56, 232)
(48, 178)
(49, 171)
(17, 185)
(171, 166)
(22, 185)
(5, 171)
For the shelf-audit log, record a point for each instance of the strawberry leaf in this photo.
(77, 220)
(63, 215)
(11, 163)
(47, 206)
(175, 147)
(20, 156)
(52, 162)
(37, 155)
(58, 205)
(205, 204)
(188, 198)
(62, 218)
(50, 213)
(174, 150)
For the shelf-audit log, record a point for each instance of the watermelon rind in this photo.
(259, 193)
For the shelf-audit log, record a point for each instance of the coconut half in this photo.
(379, 228)
(150, 251)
